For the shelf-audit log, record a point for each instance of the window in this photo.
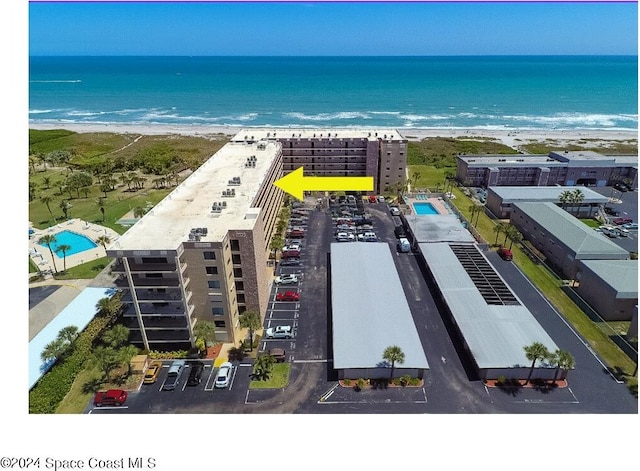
(235, 258)
(209, 255)
(240, 298)
(212, 270)
(237, 272)
(154, 275)
(217, 311)
(240, 285)
(220, 323)
(154, 260)
(235, 244)
(214, 284)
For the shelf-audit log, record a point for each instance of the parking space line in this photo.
(206, 385)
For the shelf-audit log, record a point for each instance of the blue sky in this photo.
(307, 28)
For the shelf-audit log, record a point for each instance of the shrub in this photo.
(361, 382)
(414, 381)
(501, 380)
(346, 382)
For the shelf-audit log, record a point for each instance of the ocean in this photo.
(484, 92)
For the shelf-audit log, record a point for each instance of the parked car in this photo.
(279, 332)
(403, 245)
(151, 375)
(278, 353)
(291, 247)
(345, 237)
(505, 254)
(173, 377)
(631, 226)
(373, 199)
(368, 237)
(394, 211)
(399, 232)
(110, 397)
(290, 254)
(195, 373)
(223, 376)
(290, 262)
(288, 296)
(344, 227)
(381, 199)
(611, 211)
(620, 221)
(296, 234)
(623, 231)
(621, 187)
(286, 279)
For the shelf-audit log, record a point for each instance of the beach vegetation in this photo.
(443, 151)
(613, 147)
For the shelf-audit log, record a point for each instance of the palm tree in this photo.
(47, 181)
(53, 350)
(563, 360)
(103, 240)
(263, 366)
(65, 206)
(138, 212)
(276, 244)
(32, 189)
(205, 330)
(101, 204)
(46, 199)
(47, 240)
(393, 354)
(515, 236)
(109, 307)
(116, 336)
(536, 351)
(508, 231)
(499, 229)
(64, 248)
(250, 320)
(577, 197)
(105, 358)
(565, 198)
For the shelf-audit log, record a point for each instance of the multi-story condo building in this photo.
(202, 252)
(566, 168)
(380, 153)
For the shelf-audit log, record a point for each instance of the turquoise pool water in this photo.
(77, 242)
(424, 209)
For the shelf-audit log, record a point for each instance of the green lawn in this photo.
(86, 271)
(279, 378)
(550, 285)
(431, 178)
(591, 222)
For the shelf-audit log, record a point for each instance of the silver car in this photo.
(223, 377)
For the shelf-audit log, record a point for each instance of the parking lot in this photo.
(450, 384)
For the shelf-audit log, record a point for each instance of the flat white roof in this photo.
(370, 310)
(189, 206)
(544, 193)
(317, 133)
(495, 334)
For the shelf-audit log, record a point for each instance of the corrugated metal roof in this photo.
(370, 310)
(579, 237)
(496, 335)
(621, 275)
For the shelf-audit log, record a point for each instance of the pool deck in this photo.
(437, 203)
(41, 256)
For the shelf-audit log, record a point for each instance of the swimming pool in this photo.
(77, 242)
(424, 209)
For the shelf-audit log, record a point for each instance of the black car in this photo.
(621, 187)
(611, 211)
(195, 373)
(289, 262)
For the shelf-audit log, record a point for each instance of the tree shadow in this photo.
(92, 386)
(511, 388)
(99, 267)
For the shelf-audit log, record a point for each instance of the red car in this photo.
(373, 199)
(288, 296)
(290, 254)
(505, 254)
(620, 221)
(296, 234)
(111, 397)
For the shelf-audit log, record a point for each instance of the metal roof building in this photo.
(438, 228)
(370, 313)
(610, 287)
(562, 238)
(493, 323)
(500, 198)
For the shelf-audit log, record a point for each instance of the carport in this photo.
(494, 324)
(370, 313)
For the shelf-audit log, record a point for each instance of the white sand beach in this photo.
(512, 138)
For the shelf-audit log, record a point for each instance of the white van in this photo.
(403, 245)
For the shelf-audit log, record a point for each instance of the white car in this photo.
(345, 237)
(286, 248)
(394, 211)
(286, 279)
(279, 332)
(368, 237)
(223, 377)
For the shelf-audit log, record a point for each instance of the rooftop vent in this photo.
(235, 181)
(218, 206)
(229, 193)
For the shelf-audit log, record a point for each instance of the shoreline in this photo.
(511, 138)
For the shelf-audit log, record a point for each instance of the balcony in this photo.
(157, 322)
(118, 267)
